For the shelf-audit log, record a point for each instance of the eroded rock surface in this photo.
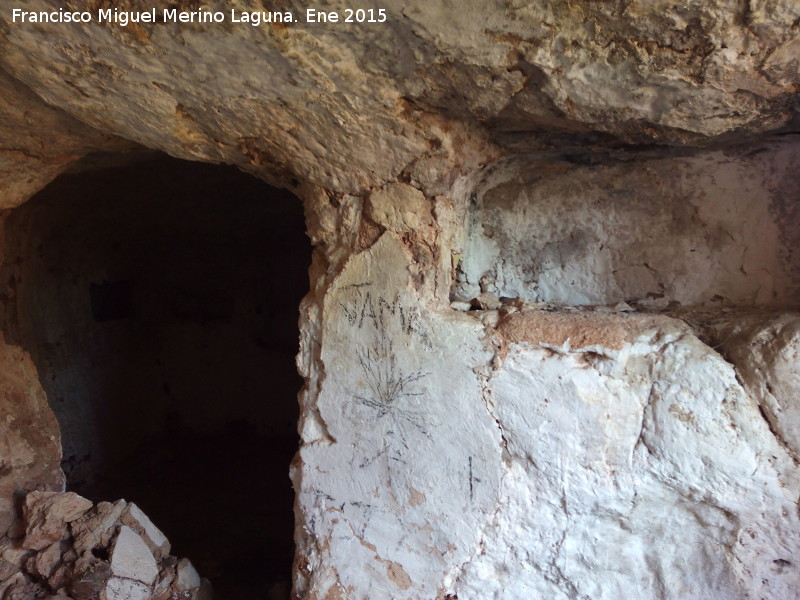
(30, 445)
(466, 435)
(619, 451)
(714, 228)
(765, 348)
(431, 91)
(39, 141)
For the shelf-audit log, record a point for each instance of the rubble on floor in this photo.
(72, 549)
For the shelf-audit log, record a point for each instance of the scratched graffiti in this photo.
(472, 480)
(389, 389)
(364, 307)
(391, 395)
(410, 469)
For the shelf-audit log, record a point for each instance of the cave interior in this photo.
(159, 302)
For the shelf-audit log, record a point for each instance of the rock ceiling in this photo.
(436, 90)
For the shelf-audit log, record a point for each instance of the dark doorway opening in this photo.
(159, 301)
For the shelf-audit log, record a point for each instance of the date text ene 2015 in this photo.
(360, 15)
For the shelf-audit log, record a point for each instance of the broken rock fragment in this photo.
(13, 553)
(74, 550)
(187, 577)
(25, 591)
(47, 514)
(90, 577)
(119, 588)
(139, 522)
(48, 559)
(98, 526)
(132, 559)
(12, 583)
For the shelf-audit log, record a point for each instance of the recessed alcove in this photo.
(659, 230)
(159, 302)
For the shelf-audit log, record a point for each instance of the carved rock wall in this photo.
(555, 453)
(525, 449)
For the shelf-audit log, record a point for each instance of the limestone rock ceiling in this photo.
(439, 87)
(38, 141)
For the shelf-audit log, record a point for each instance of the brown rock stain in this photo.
(398, 575)
(416, 497)
(334, 592)
(577, 330)
(682, 414)
(367, 545)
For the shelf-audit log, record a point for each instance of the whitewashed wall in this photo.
(541, 452)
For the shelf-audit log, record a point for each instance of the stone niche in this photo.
(716, 228)
(158, 301)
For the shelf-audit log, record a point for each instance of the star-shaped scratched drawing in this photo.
(389, 385)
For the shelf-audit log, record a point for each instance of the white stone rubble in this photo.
(131, 558)
(73, 550)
